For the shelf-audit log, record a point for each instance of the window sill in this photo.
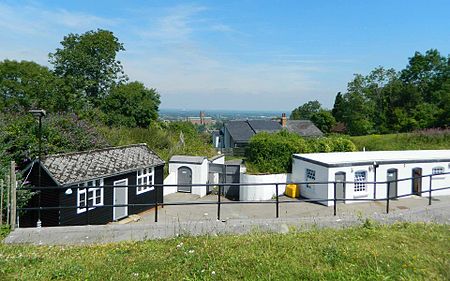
(144, 191)
(360, 195)
(83, 209)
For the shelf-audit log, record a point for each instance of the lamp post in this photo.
(39, 113)
(375, 166)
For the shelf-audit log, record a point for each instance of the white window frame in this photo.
(90, 192)
(143, 178)
(310, 176)
(360, 183)
(438, 175)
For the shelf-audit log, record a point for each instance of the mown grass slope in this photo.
(428, 139)
(397, 252)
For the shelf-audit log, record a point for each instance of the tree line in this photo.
(86, 78)
(389, 101)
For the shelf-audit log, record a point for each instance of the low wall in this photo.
(170, 179)
(262, 192)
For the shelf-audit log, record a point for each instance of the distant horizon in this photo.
(240, 55)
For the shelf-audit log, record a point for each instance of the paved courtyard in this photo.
(291, 210)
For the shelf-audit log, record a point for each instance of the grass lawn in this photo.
(397, 252)
(406, 141)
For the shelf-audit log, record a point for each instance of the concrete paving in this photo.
(236, 219)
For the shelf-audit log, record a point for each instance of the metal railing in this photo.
(159, 191)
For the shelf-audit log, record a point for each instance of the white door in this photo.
(120, 198)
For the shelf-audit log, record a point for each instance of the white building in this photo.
(188, 171)
(359, 168)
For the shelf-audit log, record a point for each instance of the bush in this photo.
(272, 153)
(60, 133)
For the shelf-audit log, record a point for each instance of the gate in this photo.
(227, 174)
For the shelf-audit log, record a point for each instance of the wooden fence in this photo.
(8, 199)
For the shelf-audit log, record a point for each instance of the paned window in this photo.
(90, 196)
(310, 177)
(145, 180)
(437, 170)
(360, 181)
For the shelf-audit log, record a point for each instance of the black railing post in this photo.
(388, 196)
(156, 203)
(334, 199)
(429, 190)
(218, 202)
(277, 202)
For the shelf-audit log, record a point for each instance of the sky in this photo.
(237, 55)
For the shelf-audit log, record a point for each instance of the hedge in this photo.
(272, 153)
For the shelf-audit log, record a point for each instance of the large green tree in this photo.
(324, 120)
(306, 110)
(25, 85)
(88, 62)
(131, 105)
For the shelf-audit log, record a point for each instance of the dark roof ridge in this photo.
(247, 121)
(95, 150)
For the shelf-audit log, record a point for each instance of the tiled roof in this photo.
(72, 168)
(242, 131)
(304, 128)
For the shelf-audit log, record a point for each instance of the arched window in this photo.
(360, 181)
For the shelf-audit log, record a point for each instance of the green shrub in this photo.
(272, 153)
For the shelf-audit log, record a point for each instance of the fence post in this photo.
(218, 202)
(13, 195)
(277, 202)
(334, 199)
(429, 191)
(156, 203)
(8, 195)
(388, 197)
(1, 201)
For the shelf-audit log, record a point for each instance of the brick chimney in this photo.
(283, 120)
(202, 117)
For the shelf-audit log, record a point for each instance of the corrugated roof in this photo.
(305, 128)
(72, 168)
(187, 159)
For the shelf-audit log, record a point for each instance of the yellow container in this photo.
(292, 190)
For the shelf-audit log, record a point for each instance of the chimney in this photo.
(202, 117)
(283, 120)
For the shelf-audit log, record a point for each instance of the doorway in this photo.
(340, 186)
(392, 176)
(417, 181)
(184, 179)
(120, 198)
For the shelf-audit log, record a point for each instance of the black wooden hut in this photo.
(85, 181)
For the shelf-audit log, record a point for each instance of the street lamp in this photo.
(39, 113)
(375, 166)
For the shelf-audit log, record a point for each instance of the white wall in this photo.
(199, 175)
(314, 191)
(262, 192)
(170, 179)
(403, 187)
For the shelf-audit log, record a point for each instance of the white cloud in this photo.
(167, 52)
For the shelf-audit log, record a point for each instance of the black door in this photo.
(417, 181)
(392, 182)
(340, 186)
(184, 179)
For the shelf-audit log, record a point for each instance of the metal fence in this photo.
(219, 202)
